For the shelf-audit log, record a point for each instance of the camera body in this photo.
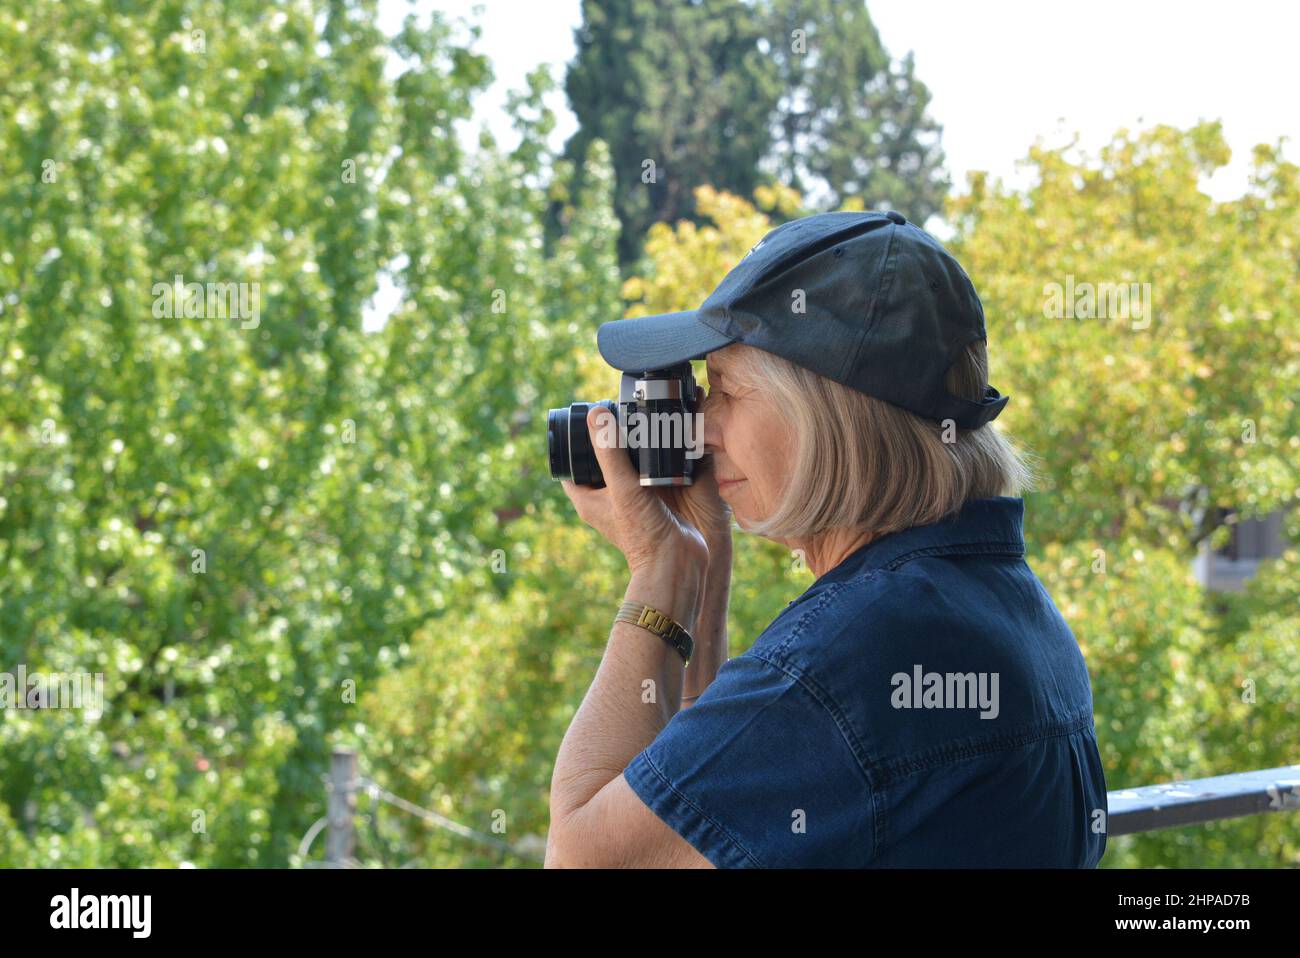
(659, 424)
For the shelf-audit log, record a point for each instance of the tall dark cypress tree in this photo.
(735, 94)
(683, 96)
(850, 122)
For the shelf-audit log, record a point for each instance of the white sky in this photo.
(1003, 72)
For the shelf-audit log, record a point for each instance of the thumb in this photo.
(615, 466)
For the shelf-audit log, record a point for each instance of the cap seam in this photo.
(799, 251)
(886, 279)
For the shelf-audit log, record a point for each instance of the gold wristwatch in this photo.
(638, 613)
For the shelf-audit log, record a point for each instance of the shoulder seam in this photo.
(836, 715)
(809, 615)
(685, 799)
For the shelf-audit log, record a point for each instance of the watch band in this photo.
(662, 625)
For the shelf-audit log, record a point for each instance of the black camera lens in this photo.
(569, 443)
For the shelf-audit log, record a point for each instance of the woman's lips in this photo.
(728, 483)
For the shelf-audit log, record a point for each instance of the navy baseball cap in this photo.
(864, 298)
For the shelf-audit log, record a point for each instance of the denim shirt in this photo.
(921, 704)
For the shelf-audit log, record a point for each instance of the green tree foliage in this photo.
(243, 520)
(851, 122)
(1148, 431)
(682, 93)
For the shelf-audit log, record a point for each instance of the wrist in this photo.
(671, 558)
(674, 588)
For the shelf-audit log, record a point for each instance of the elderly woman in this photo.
(922, 702)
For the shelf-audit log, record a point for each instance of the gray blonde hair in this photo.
(862, 462)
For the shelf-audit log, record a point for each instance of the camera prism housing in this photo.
(658, 424)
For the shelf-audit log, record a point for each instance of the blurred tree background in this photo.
(279, 536)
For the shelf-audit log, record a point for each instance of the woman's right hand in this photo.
(639, 523)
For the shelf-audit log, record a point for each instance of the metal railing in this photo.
(1199, 800)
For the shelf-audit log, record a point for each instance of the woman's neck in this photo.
(826, 550)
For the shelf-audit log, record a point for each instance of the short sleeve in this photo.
(758, 774)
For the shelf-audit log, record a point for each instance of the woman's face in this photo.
(747, 437)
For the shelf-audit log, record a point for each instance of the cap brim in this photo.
(653, 342)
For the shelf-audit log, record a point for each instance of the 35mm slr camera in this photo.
(659, 424)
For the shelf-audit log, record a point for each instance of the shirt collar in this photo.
(982, 526)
